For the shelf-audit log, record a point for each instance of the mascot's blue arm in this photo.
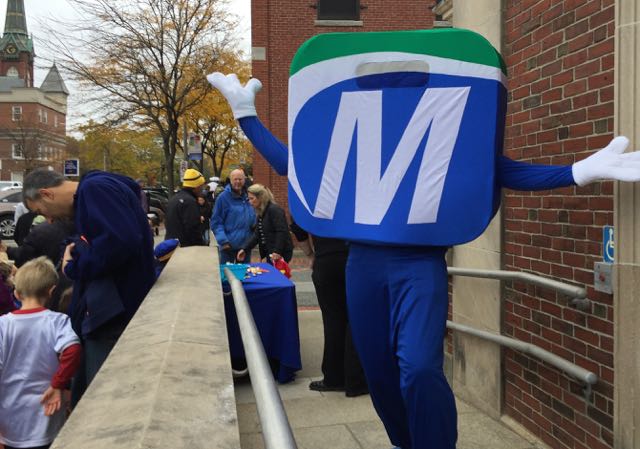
(524, 176)
(274, 151)
(511, 174)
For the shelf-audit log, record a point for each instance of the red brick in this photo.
(602, 18)
(587, 99)
(587, 69)
(581, 130)
(601, 49)
(601, 80)
(579, 28)
(562, 78)
(588, 9)
(600, 111)
(574, 88)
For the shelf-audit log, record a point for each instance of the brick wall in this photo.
(560, 60)
(28, 131)
(281, 26)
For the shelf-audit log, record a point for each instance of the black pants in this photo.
(96, 349)
(340, 362)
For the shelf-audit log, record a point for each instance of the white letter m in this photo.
(441, 109)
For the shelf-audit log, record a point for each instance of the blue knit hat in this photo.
(164, 250)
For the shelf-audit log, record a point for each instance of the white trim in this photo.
(323, 74)
(338, 23)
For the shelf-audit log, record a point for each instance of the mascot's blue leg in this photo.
(397, 300)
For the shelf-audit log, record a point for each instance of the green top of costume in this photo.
(450, 43)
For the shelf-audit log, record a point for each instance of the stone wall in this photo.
(167, 383)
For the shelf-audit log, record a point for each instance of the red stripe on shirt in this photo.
(26, 311)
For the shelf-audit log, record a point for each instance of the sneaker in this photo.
(319, 385)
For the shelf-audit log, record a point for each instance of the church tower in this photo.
(16, 47)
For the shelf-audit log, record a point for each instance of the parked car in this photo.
(9, 199)
(159, 190)
(7, 185)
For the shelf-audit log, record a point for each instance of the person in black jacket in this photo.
(205, 208)
(182, 221)
(45, 239)
(341, 366)
(23, 226)
(271, 232)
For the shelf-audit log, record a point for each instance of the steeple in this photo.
(53, 82)
(16, 47)
(15, 21)
(15, 39)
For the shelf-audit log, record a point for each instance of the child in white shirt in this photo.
(39, 353)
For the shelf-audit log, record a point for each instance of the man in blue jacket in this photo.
(114, 243)
(233, 217)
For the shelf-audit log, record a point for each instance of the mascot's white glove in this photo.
(242, 99)
(609, 163)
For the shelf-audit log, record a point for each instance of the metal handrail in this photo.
(570, 290)
(585, 376)
(276, 430)
(579, 294)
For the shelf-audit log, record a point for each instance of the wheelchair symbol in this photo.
(609, 246)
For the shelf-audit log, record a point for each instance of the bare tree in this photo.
(221, 143)
(145, 60)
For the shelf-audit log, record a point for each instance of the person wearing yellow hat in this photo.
(183, 220)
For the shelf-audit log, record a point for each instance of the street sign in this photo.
(194, 147)
(608, 244)
(72, 167)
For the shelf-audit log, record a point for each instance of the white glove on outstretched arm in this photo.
(242, 99)
(609, 163)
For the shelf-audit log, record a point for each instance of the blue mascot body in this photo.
(396, 146)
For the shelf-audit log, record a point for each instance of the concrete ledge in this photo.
(167, 383)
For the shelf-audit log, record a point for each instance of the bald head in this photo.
(237, 179)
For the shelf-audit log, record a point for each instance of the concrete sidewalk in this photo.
(331, 420)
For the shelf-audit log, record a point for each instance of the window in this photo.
(43, 116)
(338, 9)
(55, 120)
(18, 152)
(13, 72)
(16, 113)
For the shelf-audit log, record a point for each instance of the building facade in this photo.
(572, 67)
(32, 119)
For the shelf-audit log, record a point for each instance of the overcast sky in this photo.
(38, 11)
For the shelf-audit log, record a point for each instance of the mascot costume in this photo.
(395, 145)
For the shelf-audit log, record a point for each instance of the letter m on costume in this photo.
(394, 136)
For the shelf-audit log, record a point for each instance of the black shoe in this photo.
(358, 392)
(319, 385)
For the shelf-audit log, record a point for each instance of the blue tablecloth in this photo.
(272, 298)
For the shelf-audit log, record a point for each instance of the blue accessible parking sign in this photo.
(608, 244)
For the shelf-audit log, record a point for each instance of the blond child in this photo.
(39, 353)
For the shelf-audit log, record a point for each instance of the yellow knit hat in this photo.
(192, 178)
